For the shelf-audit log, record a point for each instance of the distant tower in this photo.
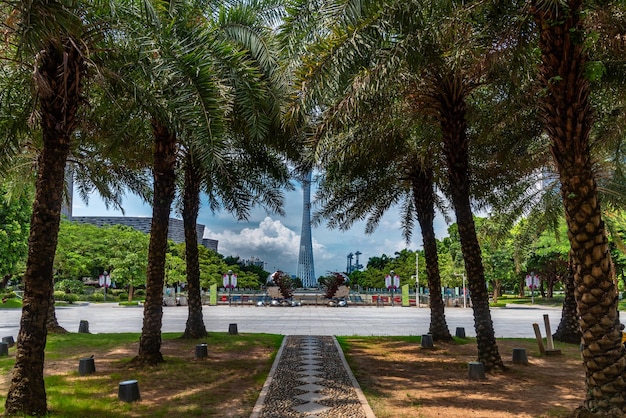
(306, 271)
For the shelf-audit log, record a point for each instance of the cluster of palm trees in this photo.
(391, 100)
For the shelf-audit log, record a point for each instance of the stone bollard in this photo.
(202, 351)
(9, 340)
(476, 371)
(427, 341)
(519, 356)
(4, 349)
(86, 366)
(83, 327)
(460, 332)
(232, 329)
(128, 391)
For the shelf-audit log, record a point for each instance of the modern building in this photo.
(306, 270)
(176, 231)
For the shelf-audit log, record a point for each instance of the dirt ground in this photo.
(400, 379)
(405, 380)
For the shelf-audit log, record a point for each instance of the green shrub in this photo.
(96, 297)
(127, 303)
(71, 297)
(59, 295)
(139, 292)
(115, 292)
(123, 295)
(10, 295)
(70, 285)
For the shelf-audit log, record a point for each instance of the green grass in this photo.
(181, 386)
(11, 303)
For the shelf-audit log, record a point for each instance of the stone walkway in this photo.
(311, 378)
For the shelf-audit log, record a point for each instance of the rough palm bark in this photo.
(567, 119)
(164, 190)
(450, 97)
(195, 327)
(52, 324)
(58, 79)
(424, 198)
(568, 330)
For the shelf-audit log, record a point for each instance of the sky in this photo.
(275, 239)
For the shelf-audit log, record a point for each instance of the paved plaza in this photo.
(513, 321)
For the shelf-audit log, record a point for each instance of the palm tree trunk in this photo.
(59, 80)
(452, 109)
(424, 198)
(568, 120)
(164, 189)
(569, 328)
(53, 324)
(191, 204)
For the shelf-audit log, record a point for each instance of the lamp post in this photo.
(417, 279)
(392, 281)
(230, 282)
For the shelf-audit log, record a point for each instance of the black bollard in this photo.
(86, 366)
(4, 349)
(128, 391)
(83, 327)
(202, 351)
(476, 371)
(232, 329)
(460, 332)
(427, 341)
(9, 340)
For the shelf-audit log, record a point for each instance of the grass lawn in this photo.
(228, 380)
(399, 378)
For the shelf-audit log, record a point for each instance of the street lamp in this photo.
(230, 282)
(464, 291)
(392, 281)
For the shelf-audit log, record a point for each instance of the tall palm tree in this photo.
(193, 79)
(446, 52)
(568, 120)
(52, 39)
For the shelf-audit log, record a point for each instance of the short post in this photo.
(9, 340)
(4, 349)
(202, 350)
(519, 356)
(427, 341)
(128, 391)
(542, 350)
(83, 327)
(476, 371)
(232, 329)
(549, 341)
(86, 366)
(460, 332)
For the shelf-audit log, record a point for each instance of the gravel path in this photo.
(310, 378)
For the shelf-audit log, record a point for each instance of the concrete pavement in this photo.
(513, 321)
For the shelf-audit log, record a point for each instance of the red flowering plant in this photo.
(284, 283)
(332, 282)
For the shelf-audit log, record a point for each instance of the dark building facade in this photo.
(176, 230)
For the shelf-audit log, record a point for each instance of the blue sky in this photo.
(275, 239)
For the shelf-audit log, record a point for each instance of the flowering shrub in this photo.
(284, 283)
(331, 283)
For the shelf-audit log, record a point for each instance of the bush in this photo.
(70, 285)
(10, 295)
(139, 292)
(123, 295)
(116, 292)
(71, 297)
(59, 295)
(96, 297)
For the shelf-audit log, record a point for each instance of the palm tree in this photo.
(445, 54)
(568, 120)
(52, 40)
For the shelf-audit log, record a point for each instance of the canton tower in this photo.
(306, 271)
